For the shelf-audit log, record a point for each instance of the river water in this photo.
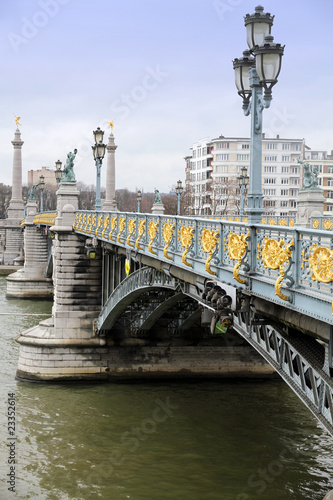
(177, 441)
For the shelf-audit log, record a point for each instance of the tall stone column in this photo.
(110, 201)
(16, 206)
(14, 235)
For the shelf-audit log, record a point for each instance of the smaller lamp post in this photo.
(179, 191)
(139, 198)
(99, 153)
(243, 181)
(58, 172)
(41, 184)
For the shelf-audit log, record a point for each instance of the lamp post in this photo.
(99, 153)
(139, 198)
(252, 75)
(41, 184)
(58, 172)
(243, 181)
(179, 191)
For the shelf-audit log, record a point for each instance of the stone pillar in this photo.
(110, 203)
(14, 235)
(16, 205)
(158, 208)
(310, 203)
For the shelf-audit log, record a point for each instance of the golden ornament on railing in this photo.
(130, 229)
(315, 224)
(142, 223)
(99, 224)
(76, 222)
(328, 224)
(86, 229)
(168, 233)
(152, 231)
(186, 238)
(321, 263)
(105, 225)
(283, 222)
(121, 227)
(291, 222)
(84, 222)
(275, 255)
(263, 221)
(93, 224)
(113, 227)
(237, 246)
(209, 242)
(272, 222)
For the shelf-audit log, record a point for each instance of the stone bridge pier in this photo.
(31, 281)
(64, 346)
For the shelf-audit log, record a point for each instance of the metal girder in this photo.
(159, 310)
(298, 359)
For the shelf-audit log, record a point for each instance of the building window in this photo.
(294, 192)
(270, 180)
(221, 157)
(285, 170)
(194, 154)
(204, 151)
(330, 182)
(285, 146)
(270, 158)
(296, 147)
(329, 194)
(245, 146)
(330, 170)
(270, 169)
(284, 192)
(293, 204)
(222, 168)
(285, 158)
(329, 208)
(284, 203)
(242, 157)
(222, 145)
(284, 180)
(269, 192)
(295, 182)
(295, 170)
(199, 152)
(271, 145)
(198, 164)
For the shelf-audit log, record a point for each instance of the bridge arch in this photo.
(148, 294)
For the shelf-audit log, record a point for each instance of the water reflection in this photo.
(198, 441)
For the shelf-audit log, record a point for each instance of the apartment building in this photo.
(213, 168)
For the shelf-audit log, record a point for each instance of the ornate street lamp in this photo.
(41, 184)
(243, 181)
(252, 75)
(99, 153)
(179, 191)
(58, 172)
(139, 198)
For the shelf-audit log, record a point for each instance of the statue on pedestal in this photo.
(310, 177)
(69, 175)
(157, 197)
(32, 192)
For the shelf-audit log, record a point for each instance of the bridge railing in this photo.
(285, 264)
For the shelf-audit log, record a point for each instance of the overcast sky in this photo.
(162, 70)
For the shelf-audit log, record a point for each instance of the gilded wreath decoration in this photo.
(99, 223)
(141, 229)
(186, 238)
(168, 234)
(152, 230)
(88, 224)
(130, 228)
(321, 263)
(93, 223)
(113, 227)
(275, 254)
(105, 225)
(237, 247)
(121, 227)
(209, 243)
